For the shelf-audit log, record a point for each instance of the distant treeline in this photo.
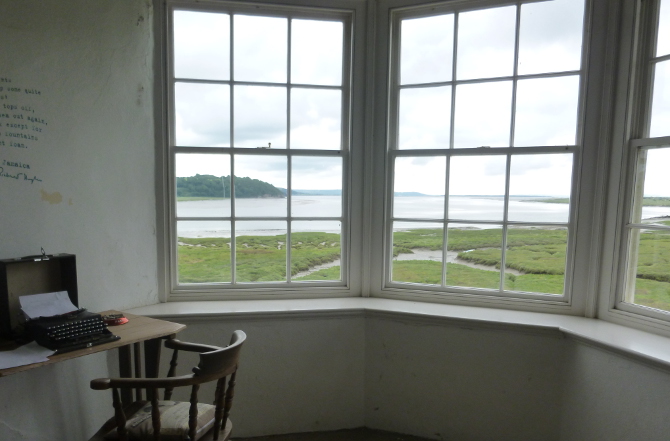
(209, 186)
(649, 201)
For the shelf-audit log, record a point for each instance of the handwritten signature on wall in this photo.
(18, 176)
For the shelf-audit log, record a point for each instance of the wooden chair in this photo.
(172, 420)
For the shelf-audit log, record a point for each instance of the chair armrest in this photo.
(191, 347)
(145, 383)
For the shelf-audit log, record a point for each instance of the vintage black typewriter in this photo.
(68, 332)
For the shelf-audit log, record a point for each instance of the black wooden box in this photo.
(33, 275)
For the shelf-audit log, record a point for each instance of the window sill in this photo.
(640, 345)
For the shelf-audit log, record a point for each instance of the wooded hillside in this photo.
(219, 187)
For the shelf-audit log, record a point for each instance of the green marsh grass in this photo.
(539, 254)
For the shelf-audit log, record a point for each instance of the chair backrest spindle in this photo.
(119, 415)
(230, 393)
(171, 373)
(155, 415)
(193, 412)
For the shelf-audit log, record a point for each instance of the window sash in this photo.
(232, 289)
(393, 152)
(646, 35)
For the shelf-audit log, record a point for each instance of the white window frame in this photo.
(630, 128)
(352, 14)
(583, 258)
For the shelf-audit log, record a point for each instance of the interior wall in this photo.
(461, 382)
(613, 397)
(76, 176)
(296, 374)
(77, 143)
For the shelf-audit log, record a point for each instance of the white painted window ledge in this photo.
(641, 345)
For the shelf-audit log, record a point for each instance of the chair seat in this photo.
(174, 423)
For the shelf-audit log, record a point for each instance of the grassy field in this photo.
(259, 258)
(537, 254)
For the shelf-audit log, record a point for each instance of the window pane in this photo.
(260, 251)
(417, 253)
(663, 41)
(535, 259)
(316, 119)
(472, 256)
(260, 48)
(426, 49)
(540, 188)
(483, 115)
(660, 111)
(656, 200)
(424, 118)
(203, 185)
(477, 187)
(316, 52)
(418, 187)
(260, 186)
(203, 252)
(546, 111)
(486, 43)
(201, 45)
(260, 116)
(550, 37)
(315, 250)
(650, 256)
(202, 115)
(316, 187)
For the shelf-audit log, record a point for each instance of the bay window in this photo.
(482, 152)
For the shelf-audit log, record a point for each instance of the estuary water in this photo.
(461, 209)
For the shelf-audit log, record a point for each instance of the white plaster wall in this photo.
(463, 383)
(92, 61)
(54, 402)
(296, 374)
(612, 397)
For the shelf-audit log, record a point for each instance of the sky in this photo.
(545, 114)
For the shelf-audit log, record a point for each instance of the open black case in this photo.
(32, 275)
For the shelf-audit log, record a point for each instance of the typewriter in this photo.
(68, 332)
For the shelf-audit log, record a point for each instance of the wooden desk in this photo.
(138, 329)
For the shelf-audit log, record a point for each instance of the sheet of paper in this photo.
(26, 354)
(46, 305)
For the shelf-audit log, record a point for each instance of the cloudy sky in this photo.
(267, 112)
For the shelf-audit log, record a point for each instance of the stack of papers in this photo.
(26, 354)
